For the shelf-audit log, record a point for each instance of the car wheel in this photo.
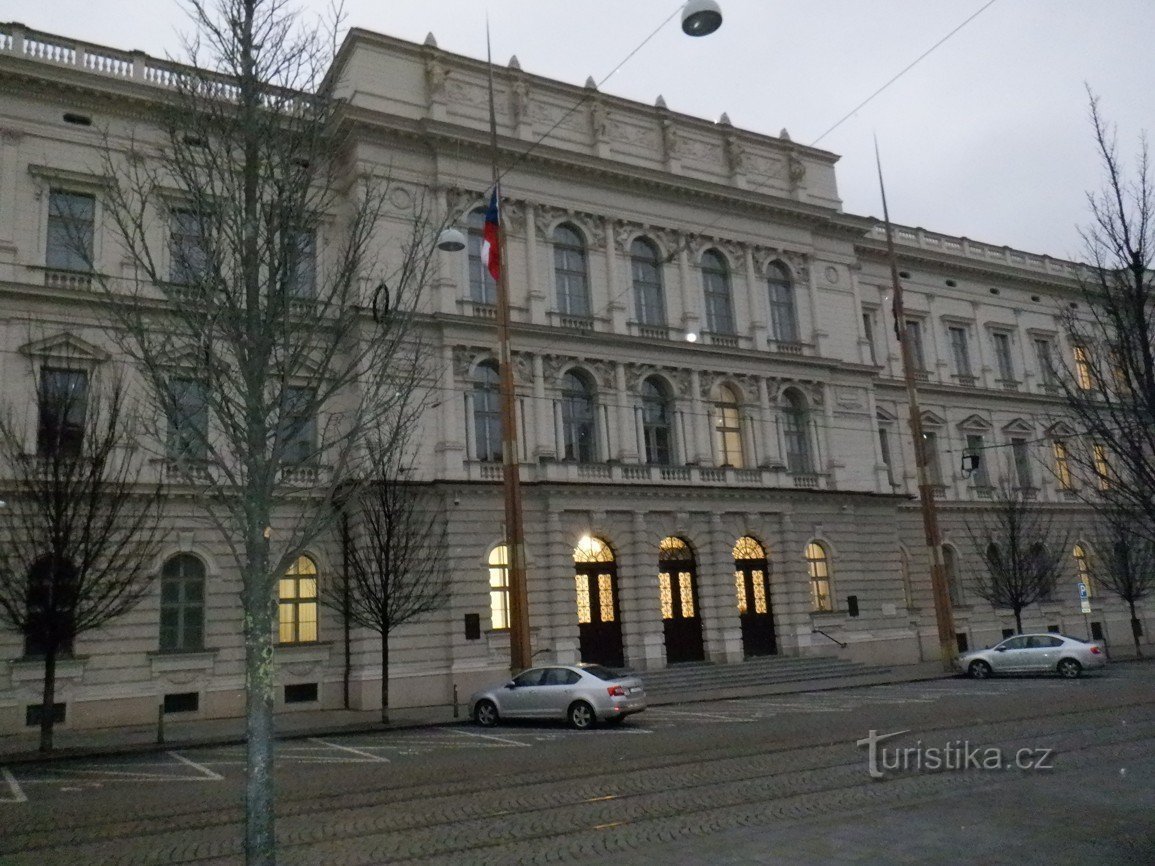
(979, 670)
(581, 715)
(1069, 668)
(485, 714)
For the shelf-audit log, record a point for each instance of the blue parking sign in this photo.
(1082, 591)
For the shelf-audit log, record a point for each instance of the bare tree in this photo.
(394, 539)
(1021, 551)
(1124, 564)
(1110, 386)
(271, 309)
(80, 529)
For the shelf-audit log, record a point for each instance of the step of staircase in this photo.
(701, 677)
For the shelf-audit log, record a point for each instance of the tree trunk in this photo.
(1135, 631)
(48, 700)
(385, 678)
(260, 607)
(1018, 620)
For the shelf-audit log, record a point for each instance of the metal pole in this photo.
(520, 655)
(943, 614)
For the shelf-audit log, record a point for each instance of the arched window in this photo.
(728, 428)
(649, 297)
(482, 285)
(657, 422)
(1083, 568)
(950, 569)
(716, 288)
(750, 584)
(182, 604)
(487, 412)
(818, 566)
(596, 596)
(570, 272)
(578, 419)
(796, 429)
(499, 587)
(298, 603)
(783, 312)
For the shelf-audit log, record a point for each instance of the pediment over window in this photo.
(932, 419)
(975, 424)
(67, 349)
(1019, 426)
(1060, 430)
(885, 415)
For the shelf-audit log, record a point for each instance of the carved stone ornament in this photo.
(797, 171)
(831, 274)
(735, 155)
(547, 218)
(436, 75)
(599, 121)
(669, 138)
(519, 101)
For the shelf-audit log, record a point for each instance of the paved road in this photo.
(735, 781)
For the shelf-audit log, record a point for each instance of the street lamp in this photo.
(701, 17)
(451, 240)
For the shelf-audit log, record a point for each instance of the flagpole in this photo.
(944, 616)
(520, 651)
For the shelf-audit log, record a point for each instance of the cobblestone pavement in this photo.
(741, 781)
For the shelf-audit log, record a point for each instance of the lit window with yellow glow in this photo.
(297, 594)
(499, 587)
(1062, 465)
(1082, 568)
(1102, 466)
(818, 565)
(1082, 368)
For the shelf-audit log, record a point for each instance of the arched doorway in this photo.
(752, 586)
(599, 623)
(677, 579)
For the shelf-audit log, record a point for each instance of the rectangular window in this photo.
(188, 420)
(302, 266)
(63, 405)
(182, 702)
(34, 712)
(71, 222)
(1082, 368)
(297, 609)
(189, 259)
(975, 448)
(868, 335)
(1006, 365)
(499, 587)
(1102, 466)
(302, 693)
(960, 352)
(298, 425)
(913, 335)
(783, 318)
(884, 447)
(1044, 356)
(1062, 464)
(1022, 458)
(933, 467)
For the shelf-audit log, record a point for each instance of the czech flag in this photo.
(490, 250)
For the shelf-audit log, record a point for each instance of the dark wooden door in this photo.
(752, 584)
(680, 620)
(599, 624)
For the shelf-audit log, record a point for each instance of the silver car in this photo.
(1035, 654)
(581, 694)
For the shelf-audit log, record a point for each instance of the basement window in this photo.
(32, 714)
(301, 693)
(77, 119)
(182, 702)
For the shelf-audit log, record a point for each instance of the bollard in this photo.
(456, 712)
(160, 724)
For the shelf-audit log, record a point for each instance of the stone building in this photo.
(715, 456)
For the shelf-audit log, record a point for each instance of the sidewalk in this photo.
(22, 748)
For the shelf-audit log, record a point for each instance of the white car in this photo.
(581, 694)
(1035, 654)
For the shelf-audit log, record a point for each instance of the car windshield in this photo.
(602, 673)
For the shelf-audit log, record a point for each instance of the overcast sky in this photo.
(986, 137)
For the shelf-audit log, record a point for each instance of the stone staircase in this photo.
(705, 679)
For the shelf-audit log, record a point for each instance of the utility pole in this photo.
(943, 614)
(520, 651)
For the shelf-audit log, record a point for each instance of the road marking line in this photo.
(495, 739)
(18, 795)
(209, 775)
(376, 759)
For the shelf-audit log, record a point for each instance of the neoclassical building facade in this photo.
(714, 452)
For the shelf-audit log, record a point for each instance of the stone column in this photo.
(627, 437)
(536, 296)
(699, 422)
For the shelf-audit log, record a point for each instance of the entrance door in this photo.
(678, 593)
(752, 587)
(599, 622)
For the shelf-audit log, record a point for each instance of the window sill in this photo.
(171, 661)
(31, 669)
(302, 653)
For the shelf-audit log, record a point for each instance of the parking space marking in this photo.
(17, 793)
(209, 775)
(367, 757)
(496, 739)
